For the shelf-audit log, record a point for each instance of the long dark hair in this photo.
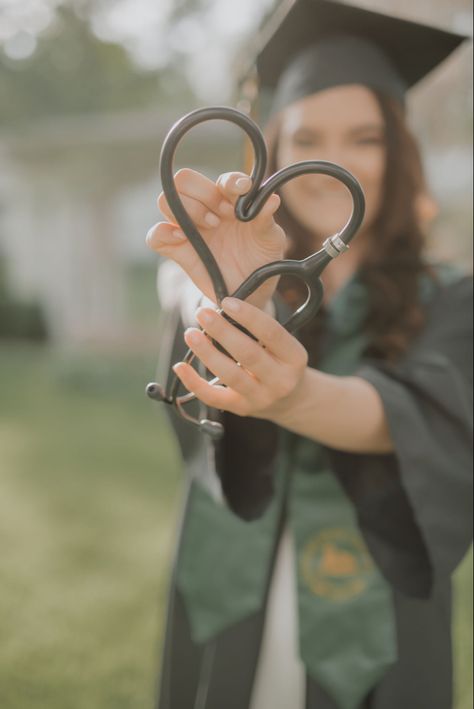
(394, 262)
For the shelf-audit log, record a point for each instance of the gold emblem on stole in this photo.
(335, 564)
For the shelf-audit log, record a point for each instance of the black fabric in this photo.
(232, 660)
(386, 519)
(248, 489)
(338, 61)
(410, 49)
(179, 677)
(422, 677)
(415, 506)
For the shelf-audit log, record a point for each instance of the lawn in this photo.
(89, 491)
(88, 494)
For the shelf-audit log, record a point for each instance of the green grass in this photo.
(89, 480)
(88, 498)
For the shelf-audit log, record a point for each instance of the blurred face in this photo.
(344, 125)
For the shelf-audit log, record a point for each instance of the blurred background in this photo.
(89, 473)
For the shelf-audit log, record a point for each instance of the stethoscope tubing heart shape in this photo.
(247, 208)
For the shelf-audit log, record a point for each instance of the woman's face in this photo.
(344, 125)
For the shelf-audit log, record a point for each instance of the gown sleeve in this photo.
(245, 462)
(415, 504)
(246, 457)
(238, 471)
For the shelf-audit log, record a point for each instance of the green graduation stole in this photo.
(347, 627)
(345, 606)
(223, 563)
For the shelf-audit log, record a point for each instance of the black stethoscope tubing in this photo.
(247, 208)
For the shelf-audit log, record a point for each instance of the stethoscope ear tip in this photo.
(214, 429)
(155, 391)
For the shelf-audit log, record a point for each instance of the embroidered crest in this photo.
(335, 564)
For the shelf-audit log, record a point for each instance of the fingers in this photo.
(240, 346)
(199, 212)
(198, 193)
(219, 364)
(200, 198)
(259, 380)
(212, 395)
(163, 236)
(197, 186)
(268, 331)
(208, 203)
(233, 185)
(265, 218)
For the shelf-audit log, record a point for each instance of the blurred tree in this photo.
(19, 319)
(186, 7)
(72, 71)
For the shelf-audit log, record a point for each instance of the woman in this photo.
(320, 534)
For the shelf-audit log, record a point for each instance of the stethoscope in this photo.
(247, 208)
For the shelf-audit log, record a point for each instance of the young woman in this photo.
(320, 534)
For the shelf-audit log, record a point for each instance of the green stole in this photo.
(345, 607)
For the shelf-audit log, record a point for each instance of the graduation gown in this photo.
(413, 508)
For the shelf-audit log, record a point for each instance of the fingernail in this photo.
(177, 234)
(177, 366)
(192, 335)
(243, 183)
(232, 305)
(212, 219)
(204, 316)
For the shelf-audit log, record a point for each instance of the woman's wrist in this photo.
(345, 413)
(266, 376)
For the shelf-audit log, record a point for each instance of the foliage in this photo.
(19, 320)
(72, 71)
(22, 321)
(182, 8)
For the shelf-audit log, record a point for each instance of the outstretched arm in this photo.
(270, 379)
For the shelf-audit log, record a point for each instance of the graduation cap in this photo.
(311, 45)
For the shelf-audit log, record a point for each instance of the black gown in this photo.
(413, 508)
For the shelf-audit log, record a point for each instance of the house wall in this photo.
(74, 210)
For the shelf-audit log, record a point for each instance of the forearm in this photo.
(272, 381)
(345, 413)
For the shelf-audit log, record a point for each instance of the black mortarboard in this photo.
(310, 45)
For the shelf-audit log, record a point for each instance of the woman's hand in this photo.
(239, 248)
(270, 371)
(272, 381)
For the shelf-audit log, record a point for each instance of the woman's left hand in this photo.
(267, 374)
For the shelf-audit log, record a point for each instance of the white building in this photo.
(77, 196)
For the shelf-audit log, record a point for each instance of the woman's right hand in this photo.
(238, 247)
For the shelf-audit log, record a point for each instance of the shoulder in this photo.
(449, 316)
(446, 286)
